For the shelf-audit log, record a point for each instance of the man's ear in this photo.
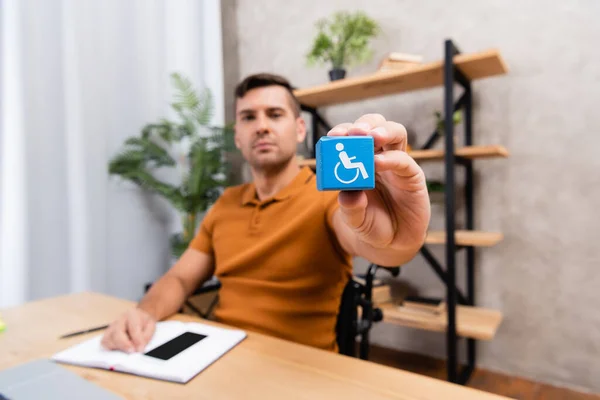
(300, 129)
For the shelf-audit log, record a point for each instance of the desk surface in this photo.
(261, 367)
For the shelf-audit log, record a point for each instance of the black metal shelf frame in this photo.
(452, 75)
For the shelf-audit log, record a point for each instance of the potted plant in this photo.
(343, 41)
(436, 191)
(440, 123)
(190, 148)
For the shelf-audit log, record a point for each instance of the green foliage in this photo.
(343, 40)
(440, 123)
(435, 186)
(189, 146)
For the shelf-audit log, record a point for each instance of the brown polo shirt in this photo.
(281, 267)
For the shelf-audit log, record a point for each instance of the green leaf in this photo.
(162, 130)
(191, 107)
(126, 161)
(168, 191)
(435, 186)
(152, 151)
(321, 47)
(440, 121)
(204, 112)
(186, 97)
(207, 173)
(343, 39)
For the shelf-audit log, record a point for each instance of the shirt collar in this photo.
(300, 180)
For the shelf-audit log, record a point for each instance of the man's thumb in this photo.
(353, 206)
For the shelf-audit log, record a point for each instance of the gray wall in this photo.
(543, 276)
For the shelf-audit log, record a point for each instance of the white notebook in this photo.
(177, 352)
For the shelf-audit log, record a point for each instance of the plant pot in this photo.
(337, 73)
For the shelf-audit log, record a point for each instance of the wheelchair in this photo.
(350, 325)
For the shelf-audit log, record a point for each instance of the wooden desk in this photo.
(260, 367)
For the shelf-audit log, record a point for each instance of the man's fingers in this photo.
(403, 165)
(148, 332)
(131, 332)
(366, 123)
(120, 341)
(115, 337)
(109, 341)
(353, 207)
(340, 130)
(360, 127)
(389, 136)
(134, 328)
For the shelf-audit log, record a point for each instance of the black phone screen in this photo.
(175, 346)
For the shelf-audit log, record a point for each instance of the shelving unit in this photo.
(474, 66)
(462, 318)
(472, 322)
(471, 153)
(466, 238)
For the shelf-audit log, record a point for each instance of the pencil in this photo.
(98, 328)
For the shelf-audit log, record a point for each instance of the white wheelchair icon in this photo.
(348, 164)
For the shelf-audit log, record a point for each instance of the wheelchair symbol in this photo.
(348, 164)
(335, 171)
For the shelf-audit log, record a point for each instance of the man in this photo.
(281, 249)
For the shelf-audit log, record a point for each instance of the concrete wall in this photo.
(543, 198)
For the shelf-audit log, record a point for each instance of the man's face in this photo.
(266, 131)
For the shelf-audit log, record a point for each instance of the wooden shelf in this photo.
(466, 238)
(474, 66)
(469, 152)
(472, 322)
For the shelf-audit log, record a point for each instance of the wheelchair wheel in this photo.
(335, 172)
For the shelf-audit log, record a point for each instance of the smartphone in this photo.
(175, 346)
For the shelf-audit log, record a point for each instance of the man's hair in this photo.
(264, 80)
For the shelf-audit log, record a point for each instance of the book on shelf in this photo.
(423, 305)
(381, 294)
(396, 61)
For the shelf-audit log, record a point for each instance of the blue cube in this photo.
(345, 163)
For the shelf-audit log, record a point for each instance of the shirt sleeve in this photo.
(203, 240)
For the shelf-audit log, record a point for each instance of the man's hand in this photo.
(131, 332)
(387, 225)
(134, 329)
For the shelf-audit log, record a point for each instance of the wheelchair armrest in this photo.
(210, 285)
(395, 271)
